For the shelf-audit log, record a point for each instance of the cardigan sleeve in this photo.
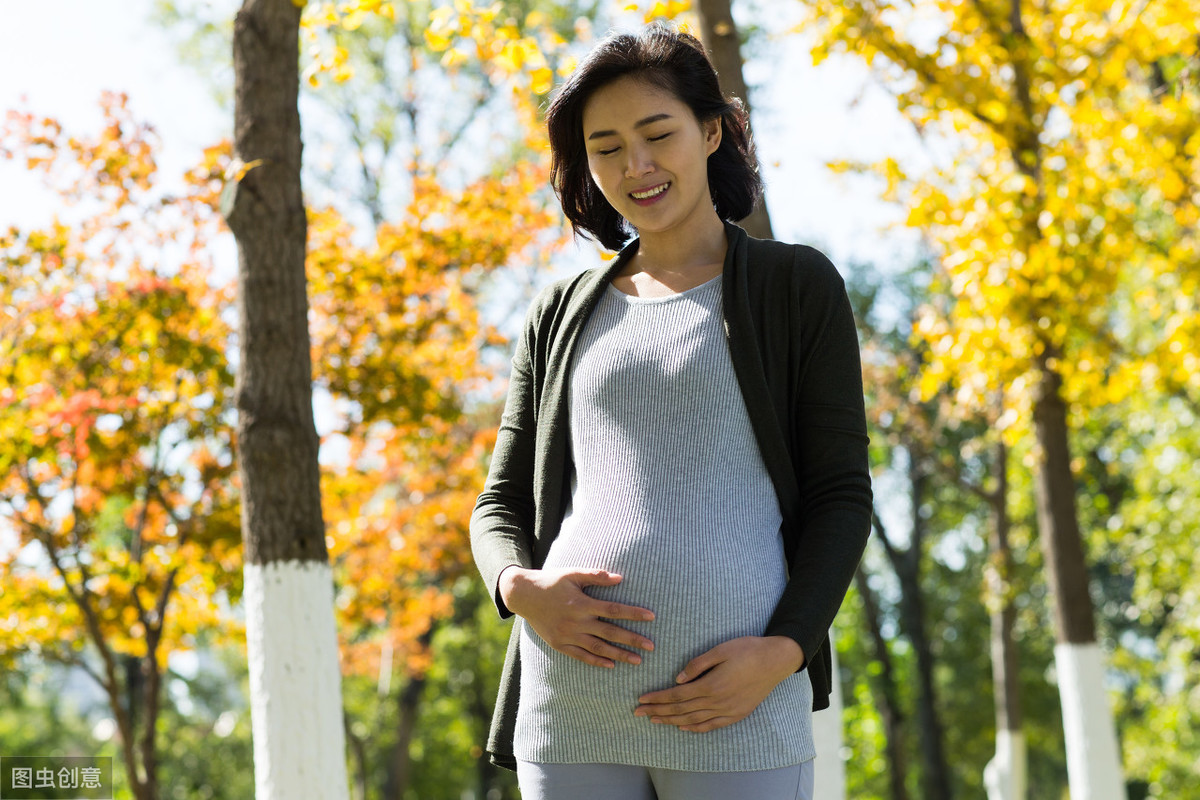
(828, 444)
(502, 523)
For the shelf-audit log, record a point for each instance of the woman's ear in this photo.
(712, 135)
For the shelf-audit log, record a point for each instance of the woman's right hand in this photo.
(554, 604)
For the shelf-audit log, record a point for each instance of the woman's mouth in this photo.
(645, 197)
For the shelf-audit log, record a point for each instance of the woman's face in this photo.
(648, 155)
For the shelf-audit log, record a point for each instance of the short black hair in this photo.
(670, 60)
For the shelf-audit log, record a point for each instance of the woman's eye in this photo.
(659, 138)
(608, 152)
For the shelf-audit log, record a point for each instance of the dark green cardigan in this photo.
(795, 353)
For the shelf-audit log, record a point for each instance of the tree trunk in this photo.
(1005, 775)
(1093, 758)
(935, 775)
(295, 684)
(409, 703)
(720, 36)
(358, 750)
(887, 695)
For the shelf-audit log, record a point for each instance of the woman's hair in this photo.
(669, 60)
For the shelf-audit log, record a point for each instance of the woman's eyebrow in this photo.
(640, 123)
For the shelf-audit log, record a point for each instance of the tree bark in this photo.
(295, 683)
(1074, 615)
(935, 773)
(1093, 758)
(409, 706)
(1004, 652)
(1094, 766)
(277, 436)
(409, 703)
(720, 36)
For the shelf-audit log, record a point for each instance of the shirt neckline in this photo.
(632, 298)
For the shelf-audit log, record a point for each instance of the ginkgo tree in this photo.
(116, 483)
(1072, 130)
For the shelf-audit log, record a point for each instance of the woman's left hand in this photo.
(723, 685)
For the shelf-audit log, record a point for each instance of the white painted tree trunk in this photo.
(295, 682)
(830, 769)
(1093, 759)
(1005, 776)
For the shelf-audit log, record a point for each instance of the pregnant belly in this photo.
(706, 585)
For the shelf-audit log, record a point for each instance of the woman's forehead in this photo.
(629, 101)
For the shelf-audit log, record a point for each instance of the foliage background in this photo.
(403, 458)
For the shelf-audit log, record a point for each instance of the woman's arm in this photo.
(503, 521)
(829, 441)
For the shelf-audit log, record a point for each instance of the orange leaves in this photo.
(399, 341)
(114, 418)
(399, 537)
(396, 326)
(116, 165)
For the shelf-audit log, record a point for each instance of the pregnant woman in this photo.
(679, 493)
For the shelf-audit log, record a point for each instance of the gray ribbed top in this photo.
(669, 491)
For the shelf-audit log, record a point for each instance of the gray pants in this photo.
(623, 782)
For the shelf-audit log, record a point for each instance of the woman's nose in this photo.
(638, 162)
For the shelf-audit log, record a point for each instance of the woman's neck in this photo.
(679, 252)
(667, 263)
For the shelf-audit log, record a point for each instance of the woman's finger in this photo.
(610, 609)
(618, 635)
(691, 718)
(587, 656)
(710, 725)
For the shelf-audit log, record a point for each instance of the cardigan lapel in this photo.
(741, 331)
(553, 439)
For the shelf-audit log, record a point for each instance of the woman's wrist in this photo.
(505, 583)
(788, 652)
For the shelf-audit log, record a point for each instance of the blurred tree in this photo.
(1060, 120)
(116, 469)
(954, 517)
(46, 710)
(720, 35)
(295, 682)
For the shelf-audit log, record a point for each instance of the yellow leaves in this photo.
(1172, 185)
(665, 9)
(516, 53)
(541, 80)
(440, 32)
(995, 111)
